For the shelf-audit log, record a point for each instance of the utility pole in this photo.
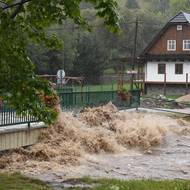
(134, 52)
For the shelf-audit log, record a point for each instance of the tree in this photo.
(23, 22)
(159, 6)
(91, 60)
(182, 5)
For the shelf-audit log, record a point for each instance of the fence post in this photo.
(165, 84)
(187, 80)
(143, 85)
(29, 126)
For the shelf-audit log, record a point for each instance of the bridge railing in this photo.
(8, 116)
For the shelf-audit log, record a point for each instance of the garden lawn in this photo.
(18, 182)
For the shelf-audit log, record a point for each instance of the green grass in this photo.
(174, 97)
(97, 88)
(18, 182)
(112, 184)
(109, 71)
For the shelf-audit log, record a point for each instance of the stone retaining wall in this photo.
(171, 89)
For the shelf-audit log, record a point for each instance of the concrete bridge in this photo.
(21, 135)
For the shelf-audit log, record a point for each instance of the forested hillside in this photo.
(91, 53)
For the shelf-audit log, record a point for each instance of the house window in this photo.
(179, 27)
(178, 69)
(161, 68)
(186, 45)
(171, 46)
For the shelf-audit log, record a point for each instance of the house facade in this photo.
(166, 60)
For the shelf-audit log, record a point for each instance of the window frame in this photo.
(161, 64)
(169, 44)
(177, 69)
(185, 49)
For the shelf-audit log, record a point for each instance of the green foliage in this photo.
(18, 182)
(152, 14)
(159, 6)
(104, 48)
(91, 59)
(26, 40)
(182, 5)
(24, 23)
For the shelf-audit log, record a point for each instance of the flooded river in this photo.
(170, 160)
(105, 143)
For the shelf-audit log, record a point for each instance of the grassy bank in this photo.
(105, 184)
(19, 182)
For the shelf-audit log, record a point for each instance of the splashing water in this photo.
(95, 130)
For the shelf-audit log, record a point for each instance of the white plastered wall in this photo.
(151, 72)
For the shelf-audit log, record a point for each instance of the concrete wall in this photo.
(171, 89)
(19, 135)
(151, 72)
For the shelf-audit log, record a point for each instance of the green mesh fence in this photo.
(71, 100)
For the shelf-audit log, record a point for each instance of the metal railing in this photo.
(70, 100)
(8, 116)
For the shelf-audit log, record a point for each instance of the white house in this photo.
(166, 60)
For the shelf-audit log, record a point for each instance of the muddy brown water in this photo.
(168, 157)
(170, 160)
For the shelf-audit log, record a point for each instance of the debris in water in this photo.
(98, 115)
(96, 130)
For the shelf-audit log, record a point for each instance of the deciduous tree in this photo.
(22, 22)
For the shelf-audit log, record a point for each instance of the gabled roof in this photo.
(181, 17)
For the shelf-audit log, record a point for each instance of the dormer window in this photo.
(186, 45)
(171, 45)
